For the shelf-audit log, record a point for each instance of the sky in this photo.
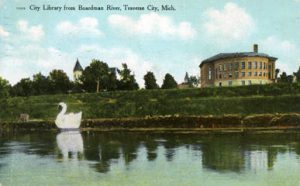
(163, 42)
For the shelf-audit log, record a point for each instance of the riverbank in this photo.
(225, 123)
(244, 101)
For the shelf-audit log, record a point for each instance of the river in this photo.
(147, 158)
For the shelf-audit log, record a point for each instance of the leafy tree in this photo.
(23, 88)
(4, 88)
(297, 74)
(169, 82)
(97, 76)
(150, 81)
(284, 78)
(277, 70)
(193, 81)
(290, 79)
(127, 80)
(60, 82)
(40, 84)
(112, 78)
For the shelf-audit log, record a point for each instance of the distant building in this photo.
(77, 71)
(234, 69)
(185, 83)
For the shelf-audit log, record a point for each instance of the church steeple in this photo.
(77, 71)
(77, 66)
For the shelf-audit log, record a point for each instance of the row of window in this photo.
(224, 75)
(242, 83)
(250, 65)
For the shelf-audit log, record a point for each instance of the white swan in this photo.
(67, 121)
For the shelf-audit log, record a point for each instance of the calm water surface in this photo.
(127, 158)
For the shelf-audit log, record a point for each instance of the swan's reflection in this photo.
(70, 143)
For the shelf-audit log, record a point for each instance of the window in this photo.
(236, 66)
(236, 74)
(220, 76)
(243, 74)
(243, 65)
(249, 82)
(259, 74)
(255, 73)
(249, 65)
(260, 65)
(229, 83)
(243, 82)
(264, 74)
(264, 65)
(230, 75)
(220, 67)
(225, 67)
(224, 74)
(249, 74)
(209, 73)
(230, 66)
(255, 65)
(269, 67)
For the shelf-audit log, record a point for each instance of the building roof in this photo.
(237, 54)
(77, 67)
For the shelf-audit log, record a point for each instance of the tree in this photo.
(23, 88)
(40, 84)
(4, 88)
(60, 82)
(96, 76)
(284, 78)
(193, 81)
(127, 80)
(169, 82)
(297, 74)
(150, 81)
(277, 70)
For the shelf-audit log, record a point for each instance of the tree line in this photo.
(98, 76)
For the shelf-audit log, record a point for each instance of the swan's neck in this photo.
(63, 110)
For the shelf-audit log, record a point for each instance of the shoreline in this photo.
(203, 124)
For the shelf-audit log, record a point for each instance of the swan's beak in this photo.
(59, 107)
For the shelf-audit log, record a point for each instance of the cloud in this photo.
(115, 57)
(1, 3)
(288, 53)
(152, 24)
(85, 26)
(34, 33)
(25, 60)
(3, 32)
(230, 24)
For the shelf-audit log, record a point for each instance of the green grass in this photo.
(209, 101)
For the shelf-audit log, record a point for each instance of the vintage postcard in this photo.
(149, 92)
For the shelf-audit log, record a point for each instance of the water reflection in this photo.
(218, 153)
(70, 144)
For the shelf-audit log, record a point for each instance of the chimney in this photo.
(255, 48)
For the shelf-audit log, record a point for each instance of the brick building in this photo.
(234, 69)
